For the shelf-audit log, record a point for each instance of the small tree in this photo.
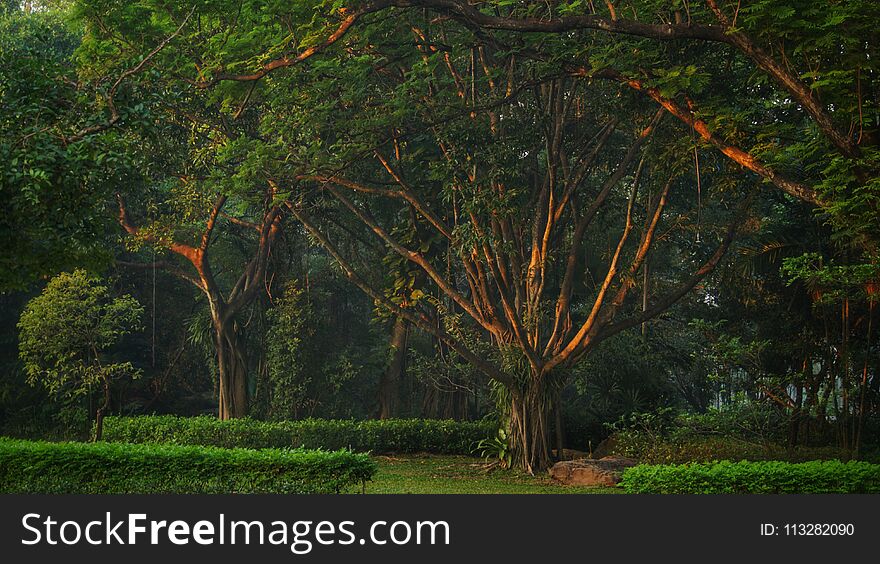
(65, 332)
(289, 353)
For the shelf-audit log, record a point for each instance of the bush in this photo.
(681, 450)
(378, 436)
(741, 433)
(754, 477)
(88, 468)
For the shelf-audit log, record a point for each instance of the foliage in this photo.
(818, 477)
(378, 436)
(82, 468)
(66, 331)
(189, 103)
(496, 448)
(51, 189)
(833, 282)
(289, 347)
(708, 449)
(748, 432)
(746, 421)
(623, 376)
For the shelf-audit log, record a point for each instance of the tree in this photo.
(66, 333)
(516, 183)
(223, 305)
(51, 189)
(834, 74)
(389, 384)
(506, 182)
(290, 354)
(520, 136)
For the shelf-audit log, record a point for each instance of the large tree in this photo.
(522, 137)
(539, 188)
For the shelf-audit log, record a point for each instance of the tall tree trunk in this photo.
(529, 431)
(559, 427)
(232, 371)
(99, 416)
(796, 417)
(389, 384)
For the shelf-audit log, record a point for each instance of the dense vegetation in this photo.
(752, 434)
(754, 477)
(551, 222)
(376, 436)
(81, 468)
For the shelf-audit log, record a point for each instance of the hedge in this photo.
(377, 436)
(682, 450)
(86, 468)
(726, 477)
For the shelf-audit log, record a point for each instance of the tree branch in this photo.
(420, 321)
(284, 62)
(114, 112)
(799, 191)
(667, 301)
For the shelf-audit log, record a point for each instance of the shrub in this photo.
(740, 433)
(681, 450)
(87, 468)
(754, 477)
(378, 436)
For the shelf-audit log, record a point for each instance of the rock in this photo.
(605, 448)
(589, 472)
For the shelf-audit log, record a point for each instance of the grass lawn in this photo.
(436, 474)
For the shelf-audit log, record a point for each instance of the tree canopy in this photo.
(511, 186)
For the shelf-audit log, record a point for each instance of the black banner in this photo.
(436, 528)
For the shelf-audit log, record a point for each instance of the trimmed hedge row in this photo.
(103, 468)
(377, 436)
(831, 476)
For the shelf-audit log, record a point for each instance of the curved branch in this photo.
(212, 221)
(679, 292)
(190, 253)
(415, 258)
(240, 222)
(476, 18)
(724, 33)
(420, 321)
(796, 189)
(285, 61)
(800, 91)
(114, 112)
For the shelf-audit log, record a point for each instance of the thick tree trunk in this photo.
(529, 431)
(389, 384)
(232, 371)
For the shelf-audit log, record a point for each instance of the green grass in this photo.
(437, 474)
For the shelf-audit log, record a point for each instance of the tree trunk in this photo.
(529, 431)
(559, 426)
(232, 371)
(796, 417)
(99, 416)
(389, 384)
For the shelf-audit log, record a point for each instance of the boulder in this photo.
(605, 471)
(605, 448)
